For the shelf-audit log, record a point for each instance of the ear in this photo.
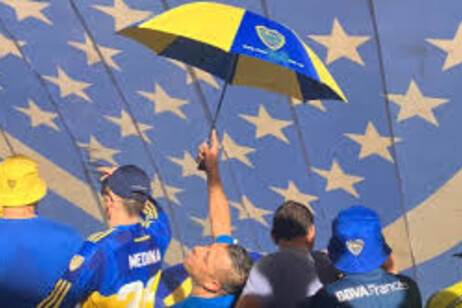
(212, 285)
(390, 265)
(310, 236)
(109, 201)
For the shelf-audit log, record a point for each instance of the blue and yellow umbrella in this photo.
(240, 47)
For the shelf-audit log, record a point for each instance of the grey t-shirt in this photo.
(284, 278)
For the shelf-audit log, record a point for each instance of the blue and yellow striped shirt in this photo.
(120, 267)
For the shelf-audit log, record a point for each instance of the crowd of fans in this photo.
(45, 264)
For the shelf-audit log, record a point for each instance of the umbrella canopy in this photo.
(259, 52)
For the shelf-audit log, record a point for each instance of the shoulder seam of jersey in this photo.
(142, 238)
(99, 235)
(92, 236)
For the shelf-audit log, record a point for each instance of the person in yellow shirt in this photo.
(448, 298)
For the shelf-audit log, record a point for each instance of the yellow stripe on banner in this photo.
(181, 293)
(44, 303)
(211, 23)
(60, 181)
(434, 226)
(63, 295)
(324, 74)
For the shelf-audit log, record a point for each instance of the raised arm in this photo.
(219, 211)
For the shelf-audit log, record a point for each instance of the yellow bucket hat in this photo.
(20, 183)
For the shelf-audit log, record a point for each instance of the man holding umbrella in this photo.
(219, 270)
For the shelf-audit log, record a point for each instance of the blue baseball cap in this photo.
(129, 182)
(357, 244)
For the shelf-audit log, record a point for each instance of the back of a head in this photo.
(357, 244)
(132, 185)
(233, 282)
(291, 220)
(132, 206)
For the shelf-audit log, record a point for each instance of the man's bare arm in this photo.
(219, 211)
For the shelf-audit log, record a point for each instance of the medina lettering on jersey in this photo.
(144, 258)
(370, 290)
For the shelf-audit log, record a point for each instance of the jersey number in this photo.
(139, 295)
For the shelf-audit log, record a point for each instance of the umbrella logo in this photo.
(271, 38)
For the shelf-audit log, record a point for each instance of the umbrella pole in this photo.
(228, 80)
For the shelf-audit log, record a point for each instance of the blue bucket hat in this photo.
(129, 182)
(357, 244)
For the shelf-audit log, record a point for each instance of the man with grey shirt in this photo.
(285, 278)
